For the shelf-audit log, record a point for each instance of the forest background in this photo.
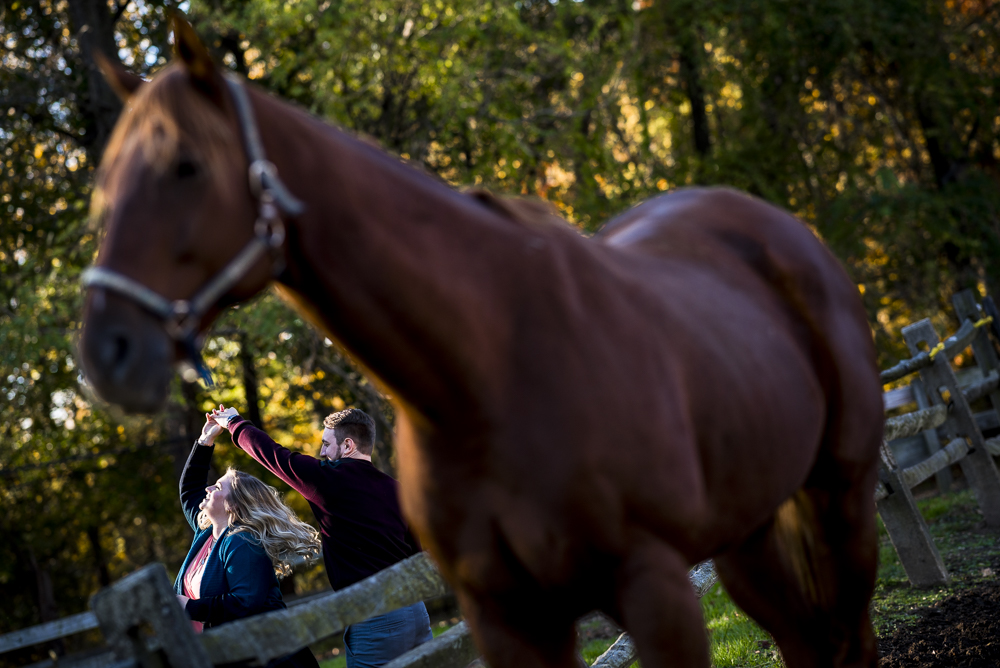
(875, 121)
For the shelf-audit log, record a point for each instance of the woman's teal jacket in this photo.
(239, 579)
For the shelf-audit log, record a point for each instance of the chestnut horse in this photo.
(579, 419)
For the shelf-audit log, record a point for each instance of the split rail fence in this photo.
(943, 409)
(144, 626)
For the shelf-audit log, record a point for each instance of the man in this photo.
(361, 528)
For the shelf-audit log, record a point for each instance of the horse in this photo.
(579, 419)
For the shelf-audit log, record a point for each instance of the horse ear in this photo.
(122, 82)
(196, 59)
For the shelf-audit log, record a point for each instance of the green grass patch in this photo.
(736, 640)
(339, 661)
(596, 647)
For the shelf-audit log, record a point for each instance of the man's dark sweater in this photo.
(356, 505)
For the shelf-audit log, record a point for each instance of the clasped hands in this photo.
(215, 422)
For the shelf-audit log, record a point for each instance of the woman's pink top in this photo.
(192, 578)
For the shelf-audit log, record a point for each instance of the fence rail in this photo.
(36, 635)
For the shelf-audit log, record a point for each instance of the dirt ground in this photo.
(961, 630)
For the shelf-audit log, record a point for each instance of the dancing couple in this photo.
(246, 537)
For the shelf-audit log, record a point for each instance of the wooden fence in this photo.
(145, 599)
(145, 626)
(943, 405)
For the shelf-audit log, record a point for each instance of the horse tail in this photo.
(800, 537)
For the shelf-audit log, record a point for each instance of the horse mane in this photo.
(160, 118)
(533, 213)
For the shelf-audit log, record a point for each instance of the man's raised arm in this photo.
(300, 472)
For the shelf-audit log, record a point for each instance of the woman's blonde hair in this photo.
(257, 508)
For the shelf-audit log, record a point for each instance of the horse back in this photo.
(737, 236)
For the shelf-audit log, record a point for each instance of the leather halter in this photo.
(180, 317)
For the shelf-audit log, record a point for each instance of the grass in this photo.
(736, 641)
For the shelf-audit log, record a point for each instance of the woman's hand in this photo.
(209, 431)
(183, 600)
(223, 415)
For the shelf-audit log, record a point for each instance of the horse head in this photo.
(176, 205)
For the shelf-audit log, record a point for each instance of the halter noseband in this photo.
(181, 316)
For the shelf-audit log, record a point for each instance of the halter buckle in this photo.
(181, 321)
(257, 171)
(269, 227)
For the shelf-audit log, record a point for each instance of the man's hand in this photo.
(223, 415)
(209, 431)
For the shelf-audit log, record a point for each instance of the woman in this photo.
(245, 539)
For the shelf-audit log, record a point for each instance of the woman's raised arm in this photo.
(194, 477)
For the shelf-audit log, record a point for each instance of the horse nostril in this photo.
(116, 354)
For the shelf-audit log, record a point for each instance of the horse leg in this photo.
(534, 640)
(807, 577)
(657, 606)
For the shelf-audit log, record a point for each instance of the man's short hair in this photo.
(354, 424)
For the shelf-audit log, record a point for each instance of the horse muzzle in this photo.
(125, 353)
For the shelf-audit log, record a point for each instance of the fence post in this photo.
(978, 466)
(145, 598)
(943, 476)
(986, 357)
(906, 527)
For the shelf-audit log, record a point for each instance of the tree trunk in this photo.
(94, 536)
(93, 26)
(250, 383)
(47, 609)
(691, 76)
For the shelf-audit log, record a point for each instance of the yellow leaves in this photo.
(557, 177)
(841, 182)
(39, 151)
(337, 403)
(662, 184)
(257, 70)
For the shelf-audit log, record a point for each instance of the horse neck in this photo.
(414, 280)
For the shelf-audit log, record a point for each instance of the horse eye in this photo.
(186, 169)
